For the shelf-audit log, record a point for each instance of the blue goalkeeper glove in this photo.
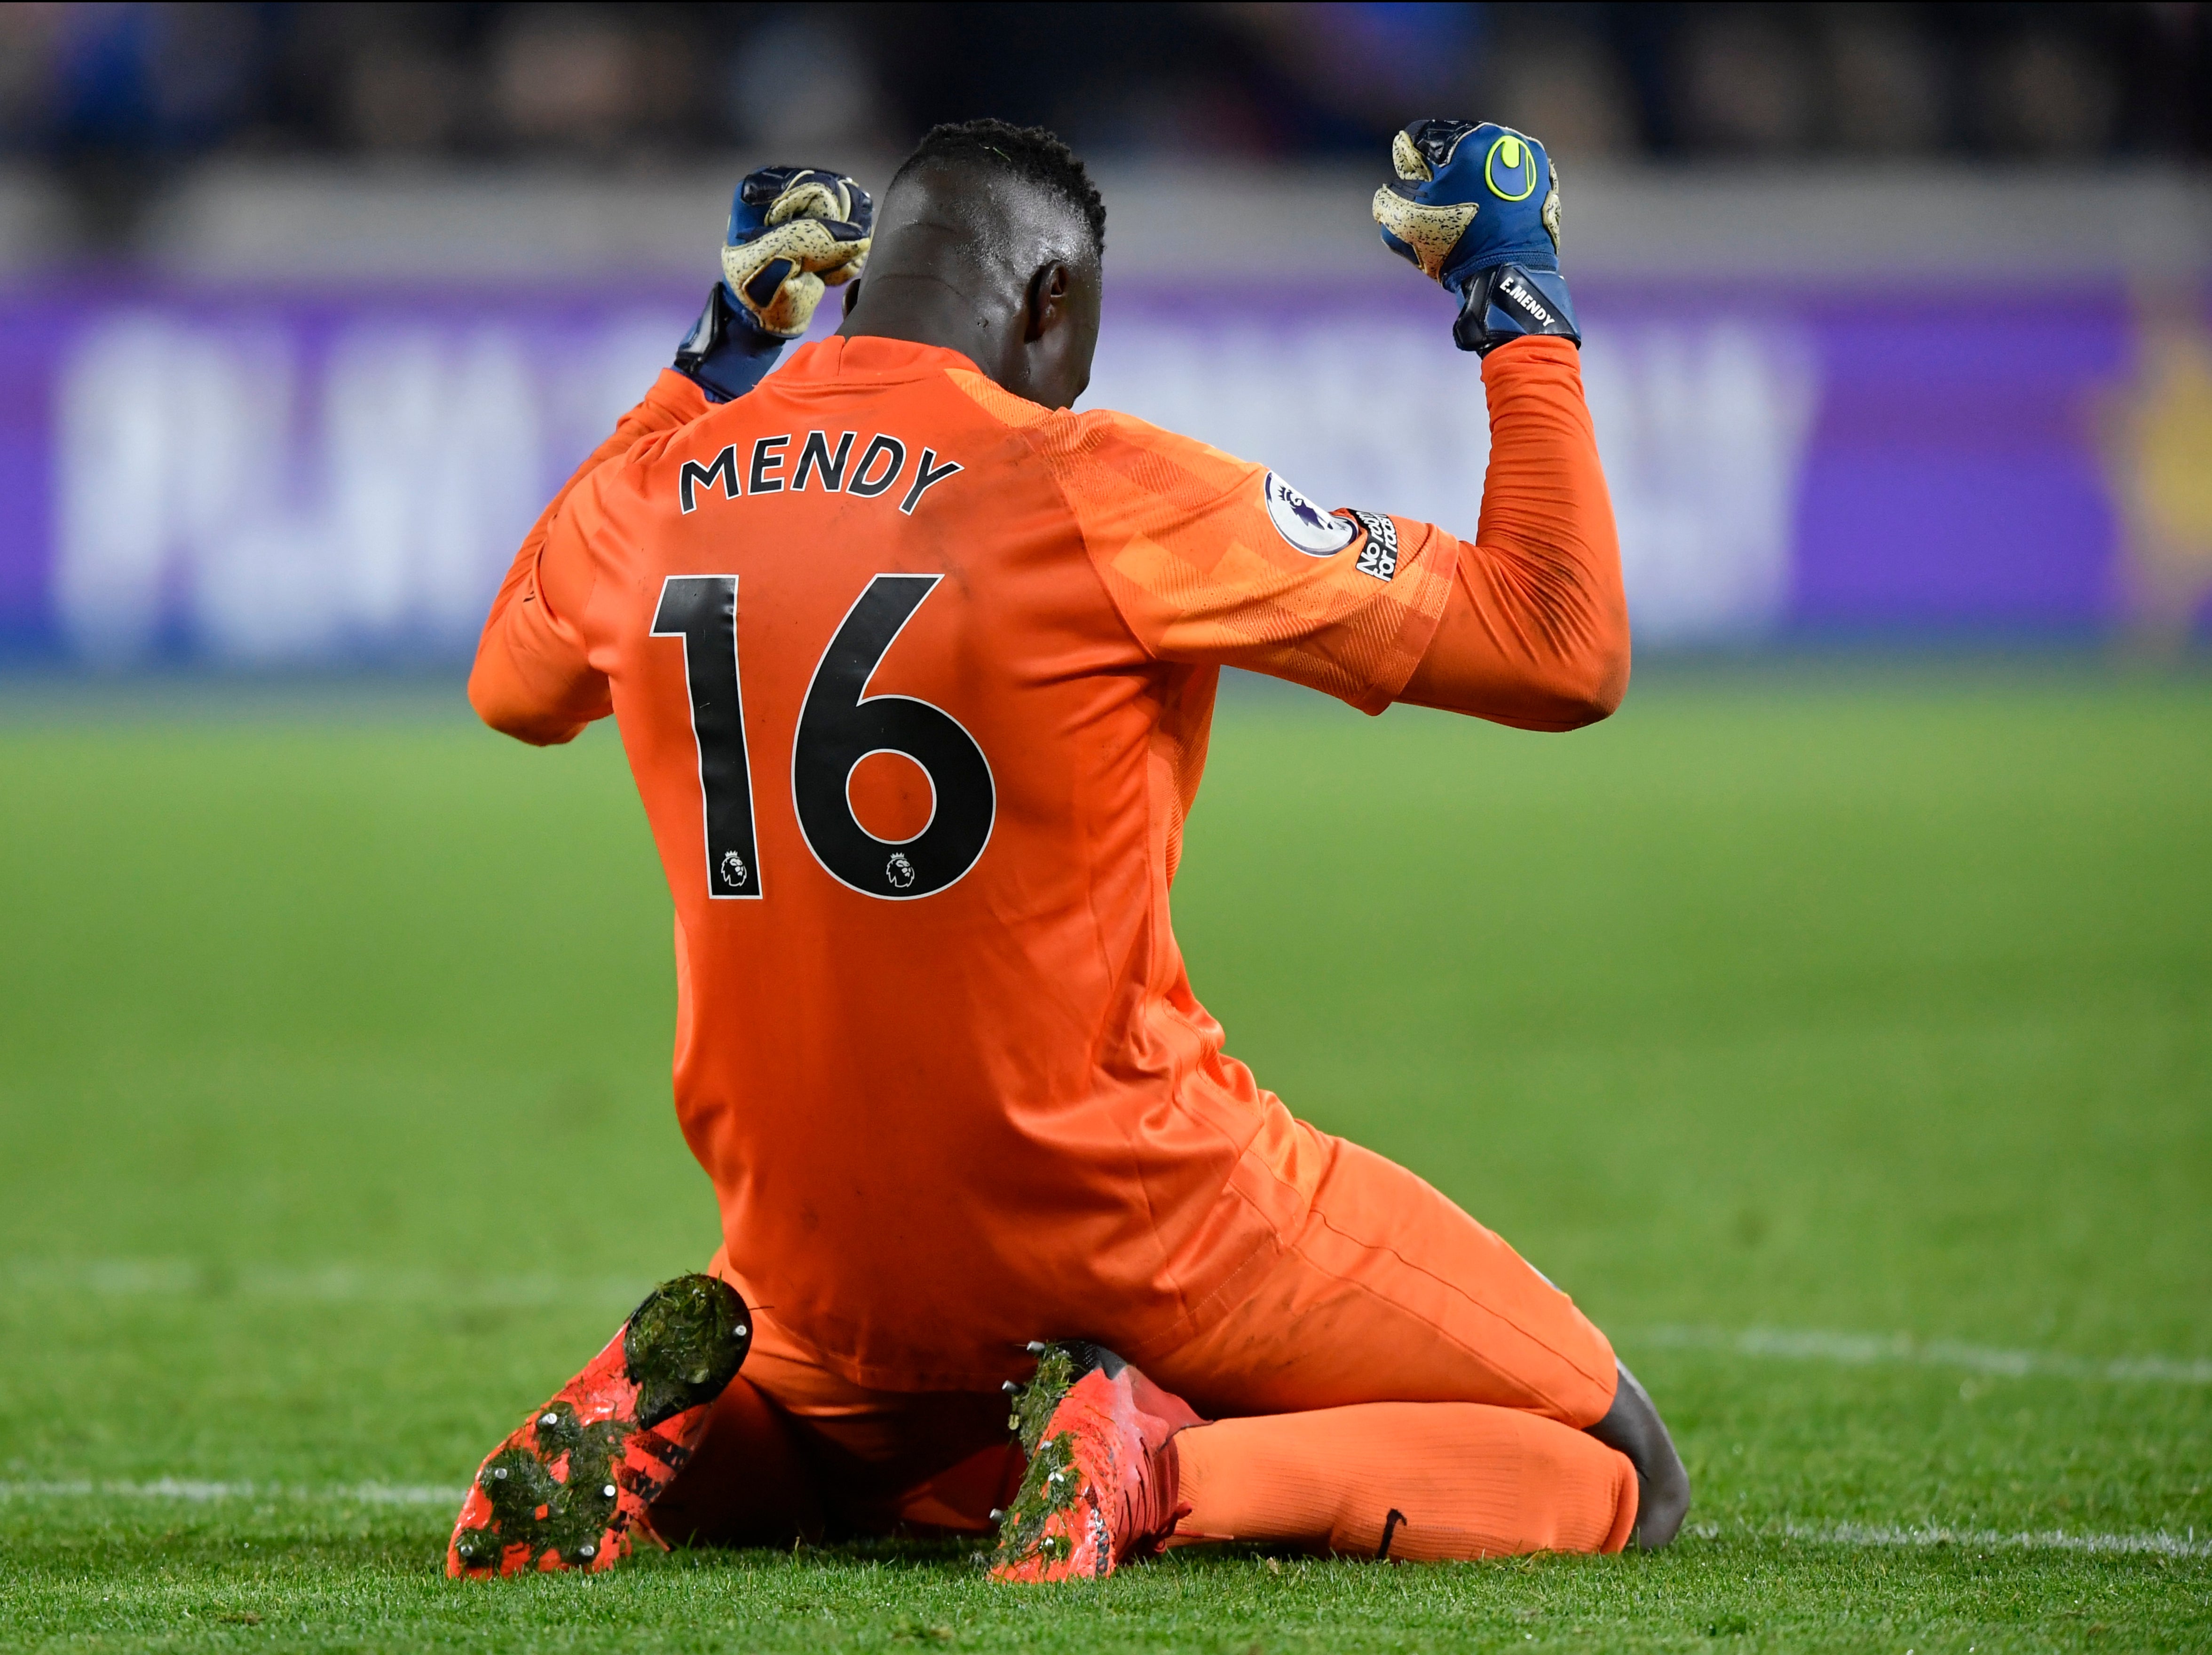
(1478, 209)
(794, 233)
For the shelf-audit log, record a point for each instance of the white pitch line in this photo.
(1863, 1349)
(343, 1284)
(193, 1491)
(2157, 1542)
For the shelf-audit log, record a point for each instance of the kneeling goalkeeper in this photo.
(915, 669)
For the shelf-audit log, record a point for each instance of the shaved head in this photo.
(989, 242)
(1030, 153)
(992, 226)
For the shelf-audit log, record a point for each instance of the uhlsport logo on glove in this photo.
(1509, 169)
(1468, 198)
(1304, 524)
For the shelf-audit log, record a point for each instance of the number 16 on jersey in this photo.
(703, 610)
(839, 725)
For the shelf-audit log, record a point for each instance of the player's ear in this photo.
(1050, 289)
(1060, 332)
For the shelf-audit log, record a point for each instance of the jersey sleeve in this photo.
(1535, 632)
(531, 679)
(1217, 561)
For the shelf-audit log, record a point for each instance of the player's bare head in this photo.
(990, 240)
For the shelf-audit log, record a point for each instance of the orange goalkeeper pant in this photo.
(1396, 1381)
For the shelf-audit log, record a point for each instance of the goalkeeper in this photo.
(914, 668)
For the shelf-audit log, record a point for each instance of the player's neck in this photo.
(924, 309)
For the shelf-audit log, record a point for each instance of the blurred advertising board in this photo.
(287, 478)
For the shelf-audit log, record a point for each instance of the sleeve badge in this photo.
(1304, 524)
(1379, 556)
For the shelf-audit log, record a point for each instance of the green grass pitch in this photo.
(1840, 1037)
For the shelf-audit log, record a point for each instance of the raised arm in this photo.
(1536, 630)
(793, 232)
(1214, 561)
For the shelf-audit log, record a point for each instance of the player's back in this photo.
(915, 784)
(915, 678)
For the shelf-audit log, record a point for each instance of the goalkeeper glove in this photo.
(794, 233)
(1478, 209)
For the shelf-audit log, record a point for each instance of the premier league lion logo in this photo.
(1304, 524)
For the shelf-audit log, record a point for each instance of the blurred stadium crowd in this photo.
(304, 309)
(88, 86)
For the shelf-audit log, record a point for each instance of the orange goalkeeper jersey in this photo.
(915, 678)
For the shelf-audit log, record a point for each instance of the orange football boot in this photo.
(1103, 1476)
(571, 1486)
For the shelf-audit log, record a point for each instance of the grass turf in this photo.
(1842, 1039)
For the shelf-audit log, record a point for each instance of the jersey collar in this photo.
(868, 358)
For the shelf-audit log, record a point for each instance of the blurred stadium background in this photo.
(1897, 313)
(1837, 1029)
